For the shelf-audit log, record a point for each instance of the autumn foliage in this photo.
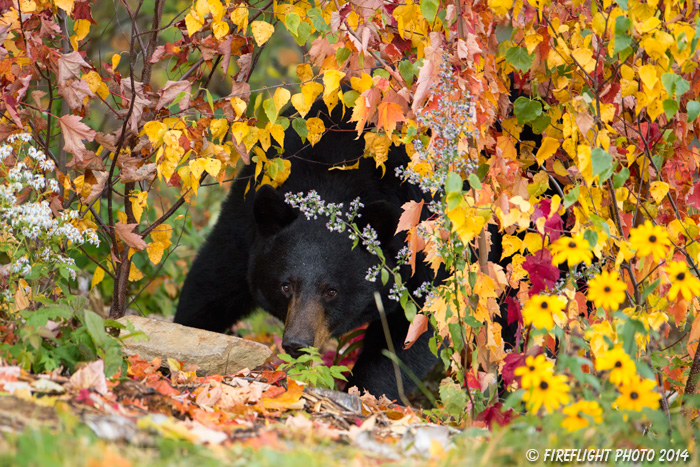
(575, 124)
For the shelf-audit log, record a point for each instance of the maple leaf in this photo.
(171, 91)
(74, 132)
(390, 113)
(290, 399)
(410, 216)
(127, 234)
(69, 66)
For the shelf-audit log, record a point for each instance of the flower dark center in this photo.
(618, 364)
(544, 305)
(607, 289)
(652, 238)
(531, 368)
(634, 395)
(680, 276)
(544, 385)
(580, 415)
(572, 244)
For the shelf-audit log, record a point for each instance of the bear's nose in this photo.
(293, 346)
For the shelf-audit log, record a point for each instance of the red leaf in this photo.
(510, 363)
(543, 274)
(514, 313)
(417, 327)
(495, 414)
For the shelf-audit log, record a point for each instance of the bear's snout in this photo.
(294, 345)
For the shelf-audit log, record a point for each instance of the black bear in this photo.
(264, 253)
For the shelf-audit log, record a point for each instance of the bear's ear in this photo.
(383, 217)
(271, 213)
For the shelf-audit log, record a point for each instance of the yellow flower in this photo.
(682, 281)
(532, 373)
(540, 310)
(638, 394)
(622, 368)
(649, 239)
(552, 392)
(607, 290)
(580, 413)
(573, 250)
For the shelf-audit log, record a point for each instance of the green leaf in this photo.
(429, 9)
(270, 110)
(601, 163)
(649, 289)
(342, 54)
(519, 58)
(670, 107)
(381, 72)
(693, 109)
(96, 327)
(303, 33)
(406, 71)
(591, 236)
(385, 276)
(350, 97)
(526, 110)
(621, 177)
(675, 85)
(622, 37)
(572, 196)
(456, 336)
(454, 183)
(540, 124)
(474, 181)
(210, 100)
(292, 21)
(299, 124)
(622, 4)
(453, 199)
(410, 311)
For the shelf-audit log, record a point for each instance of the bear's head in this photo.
(312, 278)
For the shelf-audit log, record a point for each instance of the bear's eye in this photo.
(330, 293)
(286, 288)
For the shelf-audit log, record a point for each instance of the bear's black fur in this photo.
(263, 253)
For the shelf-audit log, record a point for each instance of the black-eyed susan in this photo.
(637, 394)
(534, 370)
(607, 290)
(551, 392)
(580, 414)
(682, 281)
(573, 250)
(622, 368)
(541, 309)
(649, 239)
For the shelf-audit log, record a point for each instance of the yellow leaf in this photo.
(97, 277)
(65, 5)
(280, 98)
(300, 104)
(202, 8)
(239, 131)
(500, 7)
(533, 242)
(304, 72)
(559, 169)
(532, 41)
(547, 149)
(356, 165)
(220, 29)
(648, 75)
(116, 58)
(218, 128)
(331, 81)
(81, 27)
(155, 252)
(216, 9)
(193, 22)
(511, 245)
(658, 191)
(239, 17)
(138, 202)
(239, 106)
(316, 128)
(134, 273)
(277, 132)
(361, 84)
(584, 57)
(262, 31)
(264, 138)
(162, 234)
(155, 131)
(94, 81)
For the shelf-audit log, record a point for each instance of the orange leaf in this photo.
(410, 217)
(288, 400)
(417, 327)
(389, 114)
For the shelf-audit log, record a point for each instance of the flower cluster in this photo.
(542, 386)
(35, 235)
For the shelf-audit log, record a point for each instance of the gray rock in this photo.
(213, 353)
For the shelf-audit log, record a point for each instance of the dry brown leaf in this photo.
(131, 173)
(417, 327)
(171, 90)
(69, 67)
(74, 132)
(132, 239)
(91, 376)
